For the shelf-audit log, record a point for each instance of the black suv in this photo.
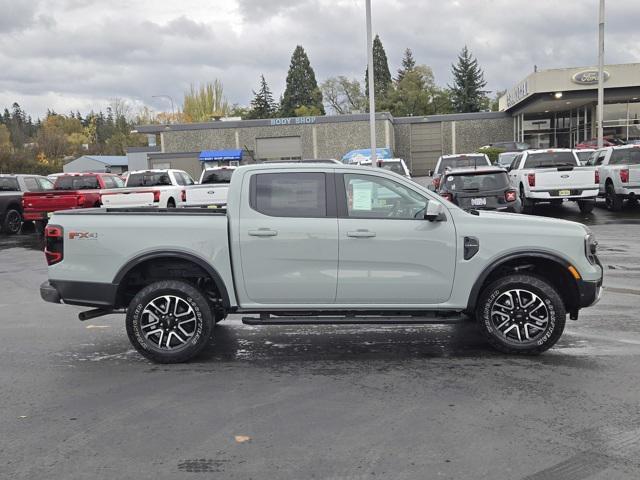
(481, 188)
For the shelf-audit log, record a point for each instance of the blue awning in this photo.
(220, 155)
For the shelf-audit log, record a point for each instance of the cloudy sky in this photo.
(77, 54)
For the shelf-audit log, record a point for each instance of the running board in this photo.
(352, 320)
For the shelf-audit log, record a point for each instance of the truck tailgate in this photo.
(634, 175)
(565, 178)
(52, 201)
(131, 198)
(208, 194)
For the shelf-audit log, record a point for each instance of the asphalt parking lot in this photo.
(325, 402)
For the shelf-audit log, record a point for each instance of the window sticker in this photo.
(362, 195)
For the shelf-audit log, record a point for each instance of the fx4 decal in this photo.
(83, 235)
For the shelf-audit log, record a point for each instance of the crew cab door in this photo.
(289, 238)
(389, 254)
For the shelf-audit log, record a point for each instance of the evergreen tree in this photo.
(408, 64)
(302, 88)
(468, 82)
(262, 105)
(381, 74)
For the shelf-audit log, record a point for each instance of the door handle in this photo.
(263, 232)
(361, 234)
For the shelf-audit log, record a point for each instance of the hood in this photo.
(530, 221)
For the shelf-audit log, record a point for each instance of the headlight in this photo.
(591, 248)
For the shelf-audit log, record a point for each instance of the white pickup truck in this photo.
(151, 188)
(619, 171)
(212, 188)
(553, 176)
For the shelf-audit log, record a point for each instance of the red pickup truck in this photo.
(72, 191)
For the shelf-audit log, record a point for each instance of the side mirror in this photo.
(508, 168)
(435, 212)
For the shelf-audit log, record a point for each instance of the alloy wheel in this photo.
(14, 221)
(168, 322)
(520, 316)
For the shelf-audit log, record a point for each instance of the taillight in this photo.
(510, 195)
(183, 195)
(436, 182)
(80, 200)
(156, 196)
(531, 177)
(624, 175)
(597, 176)
(53, 245)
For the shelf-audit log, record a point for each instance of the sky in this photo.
(78, 54)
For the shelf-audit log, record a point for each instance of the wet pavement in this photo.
(326, 402)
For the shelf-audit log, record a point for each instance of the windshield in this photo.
(84, 182)
(584, 156)
(625, 156)
(9, 185)
(218, 175)
(550, 160)
(148, 179)
(461, 161)
(395, 167)
(476, 182)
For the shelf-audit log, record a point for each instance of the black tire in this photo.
(12, 221)
(526, 205)
(614, 202)
(193, 305)
(171, 203)
(586, 206)
(544, 327)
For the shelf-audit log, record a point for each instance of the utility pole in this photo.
(372, 99)
(173, 111)
(600, 74)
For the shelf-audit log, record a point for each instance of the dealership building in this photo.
(548, 108)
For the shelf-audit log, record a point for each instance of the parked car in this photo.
(396, 165)
(12, 187)
(70, 191)
(552, 176)
(593, 143)
(482, 188)
(509, 146)
(584, 155)
(457, 161)
(163, 188)
(321, 243)
(619, 172)
(212, 188)
(505, 159)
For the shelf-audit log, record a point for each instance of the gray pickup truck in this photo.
(321, 243)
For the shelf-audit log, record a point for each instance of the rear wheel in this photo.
(526, 205)
(12, 221)
(169, 321)
(521, 314)
(614, 202)
(586, 206)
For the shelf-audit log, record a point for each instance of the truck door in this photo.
(289, 238)
(389, 254)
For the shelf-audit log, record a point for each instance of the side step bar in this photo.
(374, 320)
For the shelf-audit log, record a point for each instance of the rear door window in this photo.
(289, 194)
(625, 156)
(85, 182)
(45, 183)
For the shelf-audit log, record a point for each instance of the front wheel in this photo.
(12, 222)
(586, 206)
(521, 314)
(169, 321)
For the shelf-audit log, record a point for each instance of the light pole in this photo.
(173, 111)
(600, 74)
(372, 99)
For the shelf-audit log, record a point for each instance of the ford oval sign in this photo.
(589, 77)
